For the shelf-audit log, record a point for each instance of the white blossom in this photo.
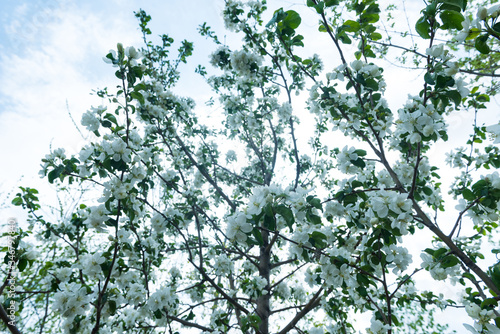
(495, 131)
(238, 227)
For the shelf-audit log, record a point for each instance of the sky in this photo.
(51, 60)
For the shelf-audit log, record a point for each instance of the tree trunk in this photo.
(263, 309)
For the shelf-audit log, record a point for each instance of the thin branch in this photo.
(238, 175)
(189, 323)
(460, 215)
(7, 321)
(278, 264)
(312, 304)
(288, 308)
(230, 299)
(44, 320)
(415, 173)
(204, 173)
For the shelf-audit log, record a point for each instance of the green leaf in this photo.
(456, 5)
(292, 19)
(468, 195)
(55, 173)
(495, 274)
(305, 255)
(369, 18)
(429, 79)
(111, 118)
(270, 221)
(451, 20)
(373, 9)
(427, 191)
(22, 264)
(297, 40)
(314, 219)
(158, 314)
(190, 316)
(137, 96)
(469, 276)
(111, 222)
(258, 236)
(106, 124)
(112, 306)
(360, 152)
(320, 7)
(489, 302)
(359, 163)
(422, 27)
(17, 201)
(479, 186)
(119, 74)
(473, 33)
(449, 261)
(376, 36)
(356, 184)
(372, 84)
(362, 279)
(496, 27)
(139, 87)
(455, 96)
(483, 98)
(252, 320)
(102, 173)
(395, 320)
(317, 239)
(286, 213)
(314, 202)
(331, 3)
(351, 26)
(350, 199)
(429, 251)
(322, 28)
(344, 38)
(278, 16)
(438, 253)
(482, 45)
(362, 291)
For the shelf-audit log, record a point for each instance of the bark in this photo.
(8, 322)
(263, 309)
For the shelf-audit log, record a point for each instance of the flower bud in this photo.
(482, 13)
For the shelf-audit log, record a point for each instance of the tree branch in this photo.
(313, 303)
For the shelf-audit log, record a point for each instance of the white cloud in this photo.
(59, 63)
(51, 59)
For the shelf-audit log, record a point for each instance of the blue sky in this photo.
(51, 59)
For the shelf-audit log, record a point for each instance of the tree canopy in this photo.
(295, 210)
